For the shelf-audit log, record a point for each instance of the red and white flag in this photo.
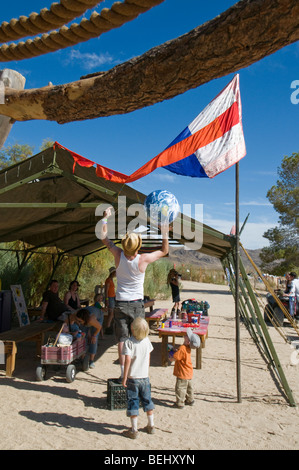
(209, 145)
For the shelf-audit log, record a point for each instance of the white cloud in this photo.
(251, 236)
(164, 177)
(266, 173)
(249, 203)
(89, 60)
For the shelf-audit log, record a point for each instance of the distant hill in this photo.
(182, 256)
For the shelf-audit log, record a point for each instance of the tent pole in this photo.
(79, 266)
(237, 269)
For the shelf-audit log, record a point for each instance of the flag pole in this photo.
(237, 314)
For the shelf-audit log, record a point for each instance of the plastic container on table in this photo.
(194, 315)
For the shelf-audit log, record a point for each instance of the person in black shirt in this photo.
(52, 306)
(71, 298)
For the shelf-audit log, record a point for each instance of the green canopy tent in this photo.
(47, 201)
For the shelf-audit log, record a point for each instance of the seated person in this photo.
(52, 306)
(71, 298)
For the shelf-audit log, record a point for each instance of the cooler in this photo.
(5, 310)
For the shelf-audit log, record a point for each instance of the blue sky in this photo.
(126, 142)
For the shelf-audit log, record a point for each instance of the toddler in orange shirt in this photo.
(183, 370)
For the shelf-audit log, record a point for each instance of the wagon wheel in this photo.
(40, 373)
(268, 313)
(70, 373)
(279, 315)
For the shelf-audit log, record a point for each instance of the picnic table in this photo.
(177, 329)
(33, 332)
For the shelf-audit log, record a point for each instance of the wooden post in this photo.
(11, 79)
(237, 305)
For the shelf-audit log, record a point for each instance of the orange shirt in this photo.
(110, 287)
(183, 368)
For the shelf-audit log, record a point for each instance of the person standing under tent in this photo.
(110, 299)
(173, 280)
(130, 272)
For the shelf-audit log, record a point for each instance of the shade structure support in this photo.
(55, 264)
(80, 262)
(24, 260)
(253, 319)
(247, 311)
(237, 303)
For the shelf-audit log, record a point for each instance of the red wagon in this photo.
(64, 356)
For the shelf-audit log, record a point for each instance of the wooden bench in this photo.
(33, 332)
(156, 315)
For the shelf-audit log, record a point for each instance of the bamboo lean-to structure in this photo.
(253, 319)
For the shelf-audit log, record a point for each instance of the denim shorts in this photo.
(111, 302)
(124, 315)
(138, 389)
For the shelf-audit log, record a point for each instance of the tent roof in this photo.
(46, 202)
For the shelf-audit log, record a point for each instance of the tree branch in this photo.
(247, 32)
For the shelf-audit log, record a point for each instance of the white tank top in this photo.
(129, 279)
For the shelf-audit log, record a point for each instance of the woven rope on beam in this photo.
(119, 14)
(46, 20)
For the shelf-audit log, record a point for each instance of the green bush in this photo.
(155, 284)
(35, 274)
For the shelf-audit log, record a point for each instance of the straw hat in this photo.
(131, 243)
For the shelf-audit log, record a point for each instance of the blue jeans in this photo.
(90, 330)
(139, 389)
(292, 304)
(111, 302)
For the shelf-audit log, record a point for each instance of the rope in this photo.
(98, 24)
(46, 20)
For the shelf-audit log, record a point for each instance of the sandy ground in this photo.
(54, 414)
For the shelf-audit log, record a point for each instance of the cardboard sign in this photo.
(20, 304)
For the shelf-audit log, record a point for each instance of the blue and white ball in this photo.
(161, 206)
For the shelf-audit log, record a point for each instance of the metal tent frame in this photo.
(47, 201)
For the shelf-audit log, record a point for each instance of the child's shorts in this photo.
(139, 389)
